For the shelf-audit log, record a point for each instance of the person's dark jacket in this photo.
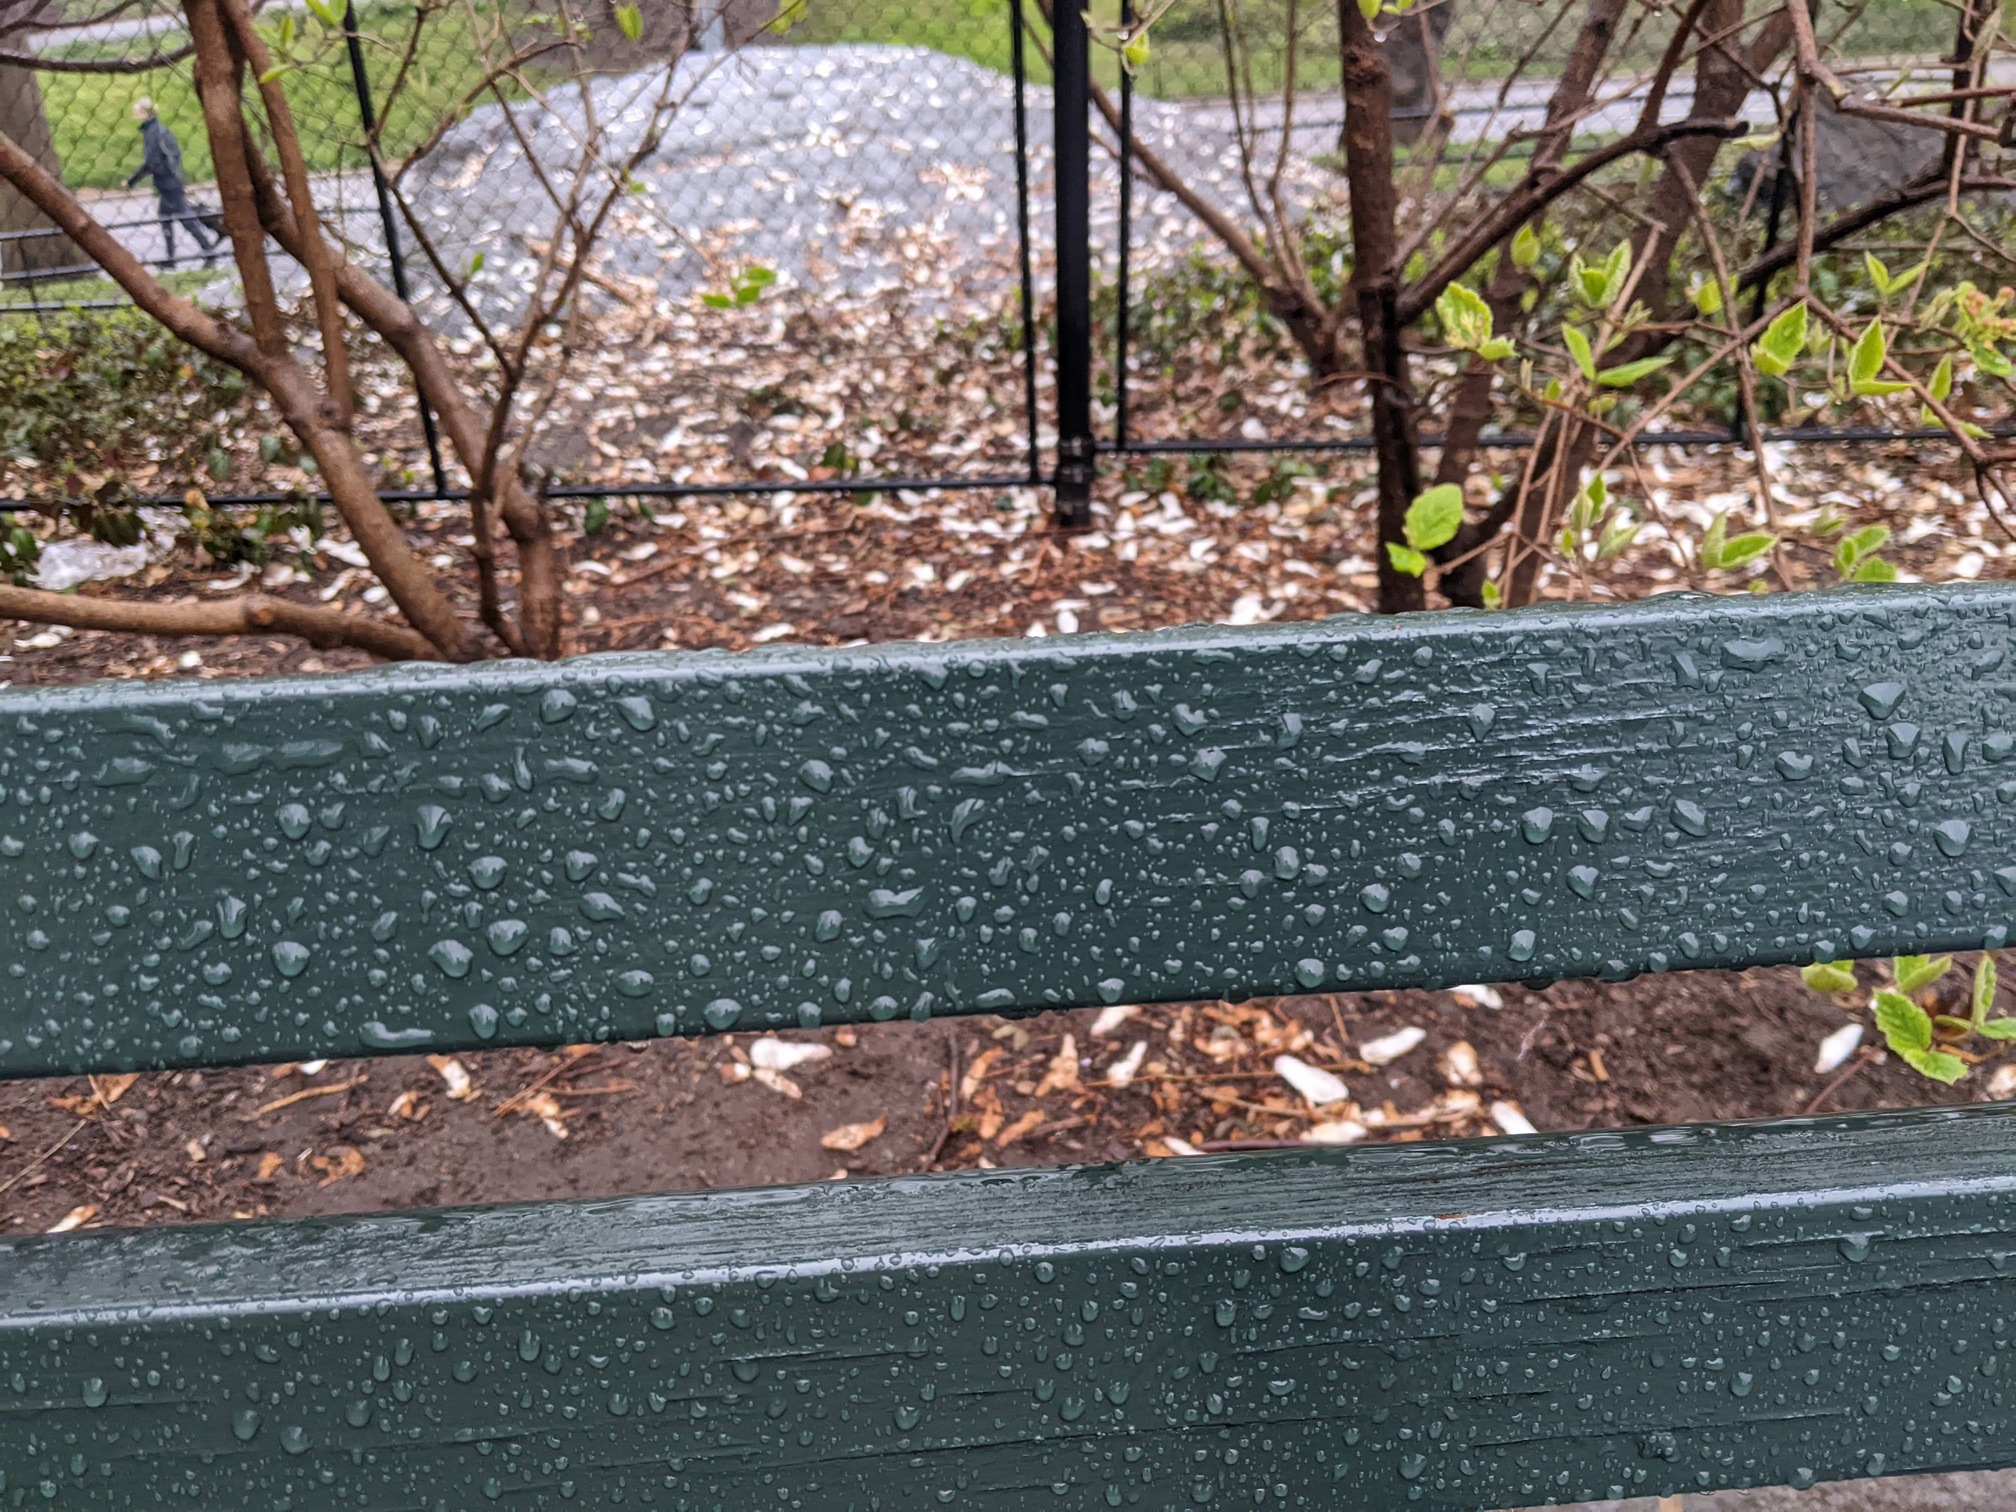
(162, 162)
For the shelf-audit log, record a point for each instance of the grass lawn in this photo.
(99, 144)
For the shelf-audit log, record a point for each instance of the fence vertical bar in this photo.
(1126, 232)
(1073, 145)
(367, 110)
(1020, 68)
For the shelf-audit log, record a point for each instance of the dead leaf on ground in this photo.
(5, 1133)
(970, 1083)
(1021, 1126)
(76, 1218)
(456, 1075)
(269, 1165)
(340, 1163)
(777, 1081)
(850, 1137)
(407, 1105)
(543, 1106)
(1062, 1073)
(111, 1088)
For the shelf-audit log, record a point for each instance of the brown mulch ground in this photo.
(617, 1119)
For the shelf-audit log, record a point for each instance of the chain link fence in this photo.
(864, 165)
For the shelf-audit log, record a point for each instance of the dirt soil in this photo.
(394, 1133)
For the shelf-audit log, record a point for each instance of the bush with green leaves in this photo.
(94, 395)
(1913, 1018)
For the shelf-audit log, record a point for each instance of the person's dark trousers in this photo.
(180, 211)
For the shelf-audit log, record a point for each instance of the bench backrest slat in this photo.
(638, 845)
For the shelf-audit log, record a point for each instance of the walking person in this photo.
(162, 162)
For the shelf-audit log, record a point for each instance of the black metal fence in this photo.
(919, 168)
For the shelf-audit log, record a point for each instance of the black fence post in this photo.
(1073, 141)
(367, 111)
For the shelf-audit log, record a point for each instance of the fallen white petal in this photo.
(2002, 1085)
(1477, 995)
(1388, 1048)
(1121, 1072)
(1511, 1119)
(1460, 1067)
(1180, 1146)
(1112, 1018)
(1313, 1082)
(1837, 1047)
(314, 1068)
(777, 1081)
(1342, 1132)
(781, 1055)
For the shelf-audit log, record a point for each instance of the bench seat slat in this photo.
(637, 845)
(1456, 1326)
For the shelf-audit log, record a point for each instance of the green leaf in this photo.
(1434, 518)
(1865, 358)
(1525, 247)
(1406, 559)
(1369, 9)
(1879, 273)
(1982, 997)
(1869, 538)
(327, 11)
(1135, 53)
(1490, 594)
(1617, 535)
(1941, 386)
(1714, 540)
(1905, 1026)
(1782, 342)
(1997, 1028)
(1579, 349)
(1707, 296)
(717, 301)
(1988, 357)
(595, 518)
(1616, 269)
(1497, 349)
(1829, 976)
(1914, 973)
(1464, 317)
(1627, 373)
(1746, 548)
(1873, 570)
(1937, 1064)
(630, 21)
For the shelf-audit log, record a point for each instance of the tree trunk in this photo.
(50, 253)
(1368, 166)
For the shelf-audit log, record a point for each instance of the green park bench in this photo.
(456, 858)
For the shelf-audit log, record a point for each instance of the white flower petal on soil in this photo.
(1341, 1131)
(1511, 1119)
(773, 1054)
(1313, 1082)
(1837, 1047)
(777, 1081)
(1460, 1067)
(2002, 1085)
(1112, 1018)
(1476, 995)
(1121, 1072)
(1388, 1048)
(1180, 1146)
